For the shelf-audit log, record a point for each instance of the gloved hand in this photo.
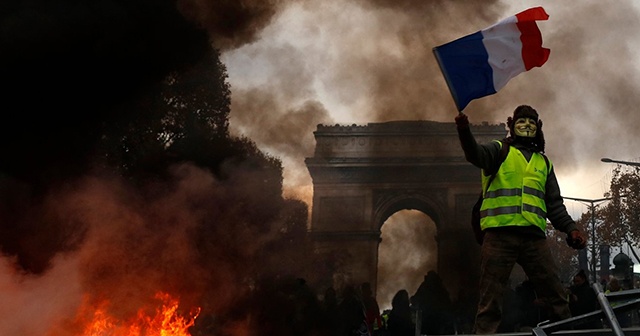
(576, 240)
(462, 121)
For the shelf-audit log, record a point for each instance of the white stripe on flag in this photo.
(502, 42)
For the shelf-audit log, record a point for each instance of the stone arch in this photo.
(363, 174)
(408, 200)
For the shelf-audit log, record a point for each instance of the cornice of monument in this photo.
(404, 127)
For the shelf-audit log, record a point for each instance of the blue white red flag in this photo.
(482, 63)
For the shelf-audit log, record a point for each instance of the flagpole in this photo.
(446, 78)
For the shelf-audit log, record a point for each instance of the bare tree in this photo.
(621, 216)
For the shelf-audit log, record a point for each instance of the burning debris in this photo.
(165, 320)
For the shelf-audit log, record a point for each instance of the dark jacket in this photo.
(486, 157)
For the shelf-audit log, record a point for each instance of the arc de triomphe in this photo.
(364, 174)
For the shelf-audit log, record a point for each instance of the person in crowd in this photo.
(371, 308)
(624, 318)
(432, 299)
(307, 310)
(400, 318)
(530, 309)
(520, 192)
(329, 307)
(583, 300)
(510, 310)
(351, 313)
(465, 309)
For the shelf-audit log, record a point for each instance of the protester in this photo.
(623, 317)
(371, 309)
(330, 317)
(351, 313)
(511, 311)
(583, 300)
(514, 213)
(531, 310)
(400, 322)
(432, 299)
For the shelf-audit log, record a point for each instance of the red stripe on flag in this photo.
(532, 14)
(533, 54)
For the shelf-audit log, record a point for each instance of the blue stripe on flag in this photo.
(464, 62)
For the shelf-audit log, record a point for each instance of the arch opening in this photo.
(407, 251)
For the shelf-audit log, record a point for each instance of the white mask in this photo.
(525, 127)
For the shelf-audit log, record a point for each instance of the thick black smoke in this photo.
(67, 68)
(70, 70)
(232, 23)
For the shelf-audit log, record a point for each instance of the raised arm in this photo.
(484, 156)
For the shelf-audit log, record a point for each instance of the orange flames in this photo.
(165, 321)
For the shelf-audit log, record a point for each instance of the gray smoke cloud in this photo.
(371, 61)
(354, 62)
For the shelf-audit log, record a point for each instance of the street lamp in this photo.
(628, 163)
(592, 208)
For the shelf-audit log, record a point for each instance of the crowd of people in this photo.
(524, 309)
(431, 311)
(294, 308)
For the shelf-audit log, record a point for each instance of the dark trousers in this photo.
(500, 252)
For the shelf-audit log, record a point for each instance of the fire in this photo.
(165, 321)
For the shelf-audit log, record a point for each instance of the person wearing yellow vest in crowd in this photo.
(517, 203)
(624, 318)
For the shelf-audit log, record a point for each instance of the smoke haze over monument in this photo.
(292, 64)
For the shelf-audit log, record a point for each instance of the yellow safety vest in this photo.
(516, 195)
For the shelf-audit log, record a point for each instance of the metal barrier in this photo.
(631, 300)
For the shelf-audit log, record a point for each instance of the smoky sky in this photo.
(372, 61)
(67, 68)
(229, 23)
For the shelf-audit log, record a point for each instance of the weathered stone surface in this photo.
(364, 174)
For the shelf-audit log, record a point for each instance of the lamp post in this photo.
(592, 208)
(628, 163)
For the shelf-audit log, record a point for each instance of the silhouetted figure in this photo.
(583, 299)
(272, 306)
(330, 317)
(432, 298)
(510, 310)
(371, 309)
(400, 323)
(465, 310)
(307, 311)
(624, 318)
(530, 309)
(351, 313)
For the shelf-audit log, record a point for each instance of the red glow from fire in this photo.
(165, 321)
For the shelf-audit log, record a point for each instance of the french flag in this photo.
(482, 63)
